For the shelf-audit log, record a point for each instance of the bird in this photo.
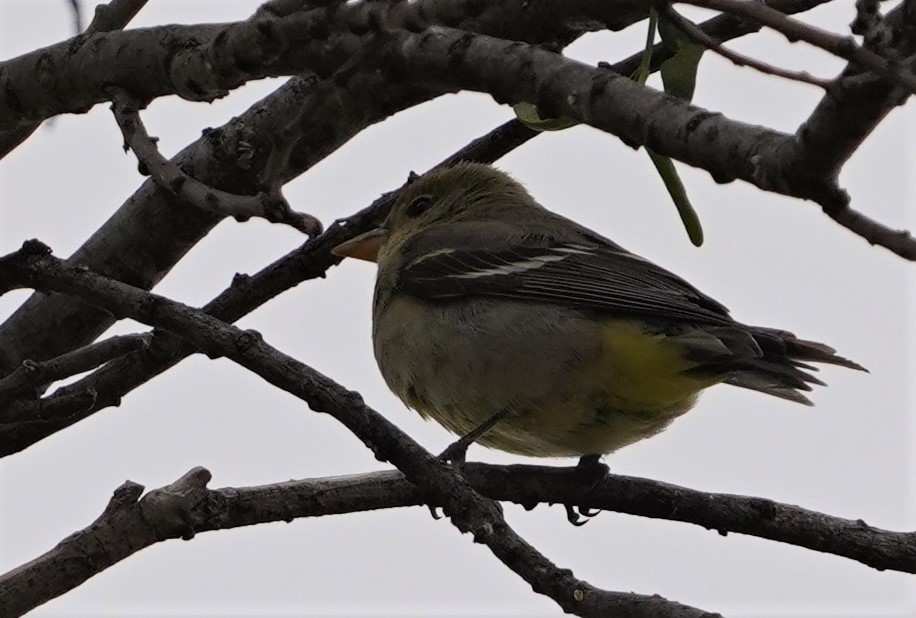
(523, 331)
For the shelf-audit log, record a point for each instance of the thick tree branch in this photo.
(512, 72)
(187, 507)
(760, 517)
(640, 116)
(856, 103)
(441, 484)
(206, 61)
(108, 17)
(180, 510)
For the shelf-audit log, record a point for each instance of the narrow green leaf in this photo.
(645, 63)
(680, 81)
(672, 180)
(527, 114)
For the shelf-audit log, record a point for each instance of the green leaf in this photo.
(678, 194)
(679, 72)
(528, 115)
(680, 80)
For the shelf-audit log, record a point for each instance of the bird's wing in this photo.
(589, 274)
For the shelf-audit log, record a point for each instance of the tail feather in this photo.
(805, 366)
(754, 382)
(788, 345)
(767, 360)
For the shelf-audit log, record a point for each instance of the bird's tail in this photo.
(771, 361)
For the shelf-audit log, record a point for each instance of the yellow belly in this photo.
(569, 390)
(642, 371)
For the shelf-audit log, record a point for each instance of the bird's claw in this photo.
(579, 516)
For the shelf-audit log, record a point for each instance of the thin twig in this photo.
(698, 36)
(77, 15)
(900, 242)
(869, 23)
(31, 374)
(269, 205)
(795, 30)
(114, 15)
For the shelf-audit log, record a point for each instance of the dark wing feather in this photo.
(579, 274)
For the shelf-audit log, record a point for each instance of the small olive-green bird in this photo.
(519, 329)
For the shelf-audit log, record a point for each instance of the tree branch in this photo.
(738, 59)
(794, 30)
(724, 513)
(77, 15)
(269, 205)
(114, 15)
(870, 24)
(187, 507)
(512, 72)
(855, 104)
(206, 61)
(559, 86)
(31, 376)
(108, 17)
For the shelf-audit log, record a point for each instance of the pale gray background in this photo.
(772, 260)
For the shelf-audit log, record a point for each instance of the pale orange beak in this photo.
(364, 247)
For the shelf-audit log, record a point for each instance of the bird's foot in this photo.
(592, 470)
(591, 466)
(457, 452)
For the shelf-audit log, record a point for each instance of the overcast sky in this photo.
(773, 261)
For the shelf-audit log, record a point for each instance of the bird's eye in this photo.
(419, 205)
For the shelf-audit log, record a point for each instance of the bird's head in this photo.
(464, 192)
